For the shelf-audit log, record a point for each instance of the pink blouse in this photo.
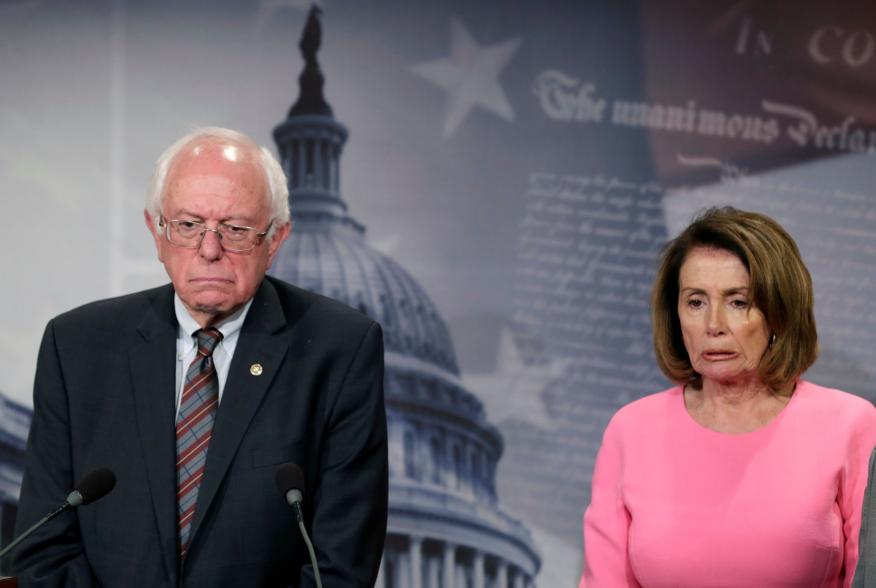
(675, 504)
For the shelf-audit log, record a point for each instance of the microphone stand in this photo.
(299, 516)
(35, 526)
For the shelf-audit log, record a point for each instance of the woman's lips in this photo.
(718, 355)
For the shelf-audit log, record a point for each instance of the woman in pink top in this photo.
(743, 474)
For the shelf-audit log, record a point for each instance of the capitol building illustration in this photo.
(446, 529)
(14, 424)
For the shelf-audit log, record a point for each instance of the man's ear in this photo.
(276, 240)
(156, 233)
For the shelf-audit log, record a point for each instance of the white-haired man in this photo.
(195, 392)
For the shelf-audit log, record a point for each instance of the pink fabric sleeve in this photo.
(853, 485)
(607, 521)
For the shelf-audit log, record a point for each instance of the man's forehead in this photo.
(220, 185)
(215, 193)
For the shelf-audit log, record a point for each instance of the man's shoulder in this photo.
(116, 311)
(308, 305)
(324, 323)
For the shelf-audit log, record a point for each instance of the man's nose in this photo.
(211, 245)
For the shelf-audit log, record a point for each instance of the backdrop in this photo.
(521, 162)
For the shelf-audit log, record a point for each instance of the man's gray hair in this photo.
(278, 190)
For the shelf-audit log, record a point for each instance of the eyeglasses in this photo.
(189, 234)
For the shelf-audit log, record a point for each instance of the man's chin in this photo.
(211, 309)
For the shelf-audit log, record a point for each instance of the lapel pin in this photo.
(256, 369)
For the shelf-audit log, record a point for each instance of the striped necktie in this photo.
(194, 428)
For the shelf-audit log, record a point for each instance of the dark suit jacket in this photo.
(865, 575)
(104, 397)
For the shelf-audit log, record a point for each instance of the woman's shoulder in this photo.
(648, 408)
(841, 406)
(836, 399)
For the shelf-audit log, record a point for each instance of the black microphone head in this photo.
(95, 485)
(289, 478)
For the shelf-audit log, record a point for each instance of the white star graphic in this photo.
(470, 76)
(514, 389)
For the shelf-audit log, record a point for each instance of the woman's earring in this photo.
(772, 341)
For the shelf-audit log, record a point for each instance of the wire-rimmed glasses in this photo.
(189, 234)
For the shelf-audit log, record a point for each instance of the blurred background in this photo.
(493, 181)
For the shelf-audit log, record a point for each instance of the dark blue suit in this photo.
(104, 397)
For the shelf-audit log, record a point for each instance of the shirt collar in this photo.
(229, 327)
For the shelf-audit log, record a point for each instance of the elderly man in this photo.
(195, 392)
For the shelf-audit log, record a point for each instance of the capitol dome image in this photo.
(446, 528)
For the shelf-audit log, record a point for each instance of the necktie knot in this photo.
(207, 340)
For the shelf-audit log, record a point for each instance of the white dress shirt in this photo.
(187, 347)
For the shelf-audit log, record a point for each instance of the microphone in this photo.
(290, 481)
(94, 486)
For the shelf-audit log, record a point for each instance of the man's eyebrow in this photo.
(243, 219)
(187, 213)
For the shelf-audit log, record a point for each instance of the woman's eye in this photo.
(739, 303)
(695, 303)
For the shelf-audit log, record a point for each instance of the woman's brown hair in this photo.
(779, 286)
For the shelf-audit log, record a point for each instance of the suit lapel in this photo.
(152, 363)
(260, 344)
